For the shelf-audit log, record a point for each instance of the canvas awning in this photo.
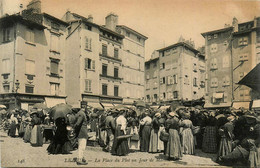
(237, 105)
(222, 105)
(256, 104)
(52, 101)
(107, 105)
(95, 104)
(218, 95)
(252, 79)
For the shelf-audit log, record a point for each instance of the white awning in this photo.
(94, 104)
(237, 105)
(107, 105)
(256, 104)
(218, 95)
(209, 105)
(52, 101)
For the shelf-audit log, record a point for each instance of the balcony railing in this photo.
(110, 77)
(109, 57)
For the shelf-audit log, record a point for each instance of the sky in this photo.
(162, 21)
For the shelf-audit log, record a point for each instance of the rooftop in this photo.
(217, 31)
(18, 18)
(152, 59)
(84, 19)
(179, 44)
(129, 29)
(56, 19)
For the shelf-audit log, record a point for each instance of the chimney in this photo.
(235, 24)
(111, 21)
(35, 5)
(90, 18)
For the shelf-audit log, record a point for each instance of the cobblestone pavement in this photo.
(16, 153)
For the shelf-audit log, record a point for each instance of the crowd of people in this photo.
(234, 135)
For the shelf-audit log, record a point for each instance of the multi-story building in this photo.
(231, 53)
(152, 80)
(245, 56)
(100, 52)
(32, 58)
(133, 64)
(181, 74)
(218, 67)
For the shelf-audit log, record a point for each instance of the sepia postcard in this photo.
(129, 83)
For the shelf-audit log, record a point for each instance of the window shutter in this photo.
(161, 96)
(89, 85)
(212, 82)
(161, 80)
(86, 43)
(171, 95)
(86, 85)
(93, 64)
(245, 42)
(90, 45)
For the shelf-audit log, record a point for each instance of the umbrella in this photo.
(60, 111)
(2, 106)
(40, 106)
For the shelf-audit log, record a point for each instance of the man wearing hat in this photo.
(110, 127)
(81, 132)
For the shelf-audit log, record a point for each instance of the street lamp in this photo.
(17, 86)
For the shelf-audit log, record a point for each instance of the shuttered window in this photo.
(104, 50)
(54, 67)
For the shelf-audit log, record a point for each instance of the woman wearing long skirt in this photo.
(209, 142)
(226, 133)
(13, 126)
(173, 150)
(145, 123)
(36, 133)
(120, 146)
(134, 141)
(187, 139)
(28, 129)
(60, 143)
(162, 127)
(153, 146)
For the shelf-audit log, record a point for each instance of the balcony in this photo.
(109, 57)
(110, 77)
